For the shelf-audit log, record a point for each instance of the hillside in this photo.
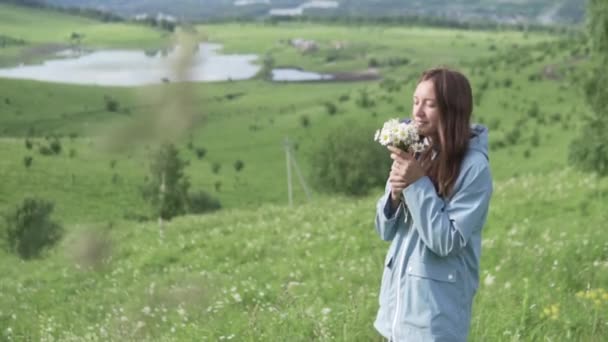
(259, 269)
(251, 127)
(23, 42)
(510, 11)
(311, 273)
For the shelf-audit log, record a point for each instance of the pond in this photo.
(138, 67)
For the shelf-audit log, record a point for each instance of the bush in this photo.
(348, 161)
(200, 152)
(27, 161)
(304, 121)
(111, 104)
(55, 146)
(201, 202)
(239, 165)
(29, 228)
(45, 150)
(330, 108)
(215, 168)
(167, 188)
(589, 151)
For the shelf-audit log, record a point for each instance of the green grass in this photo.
(259, 270)
(310, 273)
(419, 45)
(46, 32)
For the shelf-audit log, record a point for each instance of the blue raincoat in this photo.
(431, 270)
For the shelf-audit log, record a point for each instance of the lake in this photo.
(138, 67)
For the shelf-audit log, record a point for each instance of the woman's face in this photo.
(425, 111)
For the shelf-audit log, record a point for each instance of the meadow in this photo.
(259, 270)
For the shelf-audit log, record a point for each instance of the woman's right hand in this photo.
(397, 185)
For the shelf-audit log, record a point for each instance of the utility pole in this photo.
(302, 182)
(288, 164)
(162, 202)
(291, 161)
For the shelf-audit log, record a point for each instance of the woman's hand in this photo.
(405, 171)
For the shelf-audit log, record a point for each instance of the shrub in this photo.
(201, 202)
(364, 100)
(304, 121)
(215, 167)
(55, 146)
(589, 151)
(373, 63)
(45, 150)
(29, 228)
(239, 165)
(111, 104)
(201, 152)
(330, 108)
(27, 161)
(167, 187)
(348, 161)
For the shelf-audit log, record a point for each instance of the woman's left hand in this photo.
(406, 169)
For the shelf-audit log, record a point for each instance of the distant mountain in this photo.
(503, 11)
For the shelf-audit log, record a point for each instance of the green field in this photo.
(46, 32)
(259, 270)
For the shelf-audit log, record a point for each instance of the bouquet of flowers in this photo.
(403, 135)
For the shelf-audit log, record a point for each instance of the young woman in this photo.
(433, 211)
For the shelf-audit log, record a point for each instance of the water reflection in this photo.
(295, 75)
(136, 67)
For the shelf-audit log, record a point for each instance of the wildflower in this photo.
(403, 135)
(237, 297)
(489, 280)
(551, 312)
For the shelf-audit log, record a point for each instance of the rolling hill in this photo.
(504, 11)
(259, 270)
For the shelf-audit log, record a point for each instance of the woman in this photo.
(433, 210)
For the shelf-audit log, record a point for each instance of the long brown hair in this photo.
(455, 101)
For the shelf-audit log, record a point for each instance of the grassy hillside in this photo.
(543, 11)
(311, 273)
(45, 32)
(360, 44)
(249, 120)
(259, 270)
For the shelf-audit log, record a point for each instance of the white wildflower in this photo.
(400, 134)
(237, 297)
(489, 280)
(146, 310)
(325, 311)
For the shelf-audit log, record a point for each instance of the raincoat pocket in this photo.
(433, 296)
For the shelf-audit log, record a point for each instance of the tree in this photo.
(167, 187)
(349, 162)
(29, 228)
(589, 151)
